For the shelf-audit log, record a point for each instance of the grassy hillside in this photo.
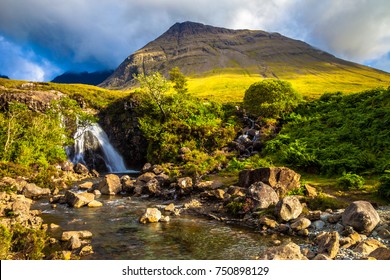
(229, 85)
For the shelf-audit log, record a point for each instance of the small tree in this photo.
(270, 98)
(180, 81)
(155, 86)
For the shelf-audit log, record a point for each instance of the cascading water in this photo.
(93, 148)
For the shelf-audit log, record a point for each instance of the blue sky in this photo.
(40, 39)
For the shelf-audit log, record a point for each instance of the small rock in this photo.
(151, 215)
(81, 169)
(85, 186)
(74, 243)
(263, 194)
(78, 200)
(95, 203)
(303, 232)
(97, 193)
(170, 207)
(318, 225)
(165, 219)
(268, 222)
(300, 224)
(367, 246)
(288, 208)
(82, 234)
(184, 183)
(328, 243)
(146, 168)
(322, 257)
(86, 250)
(311, 191)
(334, 218)
(290, 251)
(314, 215)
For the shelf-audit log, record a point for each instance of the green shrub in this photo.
(350, 181)
(323, 202)
(384, 188)
(270, 98)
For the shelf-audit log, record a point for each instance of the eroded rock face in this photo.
(288, 208)
(281, 179)
(111, 185)
(263, 194)
(290, 251)
(361, 216)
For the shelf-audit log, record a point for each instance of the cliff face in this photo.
(199, 49)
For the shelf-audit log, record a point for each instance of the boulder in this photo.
(81, 169)
(328, 243)
(78, 200)
(300, 224)
(33, 191)
(184, 183)
(380, 254)
(282, 179)
(288, 208)
(152, 187)
(290, 251)
(367, 246)
(94, 204)
(85, 186)
(146, 168)
(263, 194)
(127, 184)
(21, 205)
(151, 215)
(74, 243)
(67, 166)
(361, 216)
(110, 184)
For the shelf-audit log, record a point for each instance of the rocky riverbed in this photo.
(260, 202)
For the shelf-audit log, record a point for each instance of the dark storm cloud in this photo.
(99, 34)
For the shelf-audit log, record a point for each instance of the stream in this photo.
(117, 234)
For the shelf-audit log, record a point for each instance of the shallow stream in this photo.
(117, 234)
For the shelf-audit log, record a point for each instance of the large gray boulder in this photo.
(263, 194)
(361, 216)
(111, 185)
(282, 179)
(288, 208)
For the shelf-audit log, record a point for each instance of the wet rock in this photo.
(170, 208)
(33, 191)
(328, 243)
(367, 246)
(268, 222)
(290, 251)
(94, 204)
(78, 200)
(144, 178)
(214, 194)
(263, 194)
(163, 180)
(74, 243)
(81, 234)
(380, 254)
(110, 185)
(146, 168)
(194, 203)
(288, 208)
(282, 179)
(151, 215)
(152, 187)
(81, 169)
(127, 184)
(85, 186)
(300, 224)
(164, 219)
(97, 193)
(361, 216)
(86, 250)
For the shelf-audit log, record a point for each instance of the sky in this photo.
(40, 39)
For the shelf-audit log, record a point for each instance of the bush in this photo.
(384, 188)
(350, 181)
(270, 98)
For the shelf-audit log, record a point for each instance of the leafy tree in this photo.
(179, 80)
(270, 98)
(154, 88)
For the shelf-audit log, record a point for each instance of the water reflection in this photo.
(117, 234)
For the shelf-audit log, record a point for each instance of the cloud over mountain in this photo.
(92, 35)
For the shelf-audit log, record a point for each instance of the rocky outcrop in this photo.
(288, 208)
(282, 179)
(328, 243)
(361, 216)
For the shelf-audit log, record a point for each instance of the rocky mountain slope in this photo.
(202, 50)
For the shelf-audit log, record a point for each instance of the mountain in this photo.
(4, 77)
(227, 61)
(93, 78)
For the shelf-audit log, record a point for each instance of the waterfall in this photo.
(93, 149)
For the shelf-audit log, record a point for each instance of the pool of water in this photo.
(117, 234)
